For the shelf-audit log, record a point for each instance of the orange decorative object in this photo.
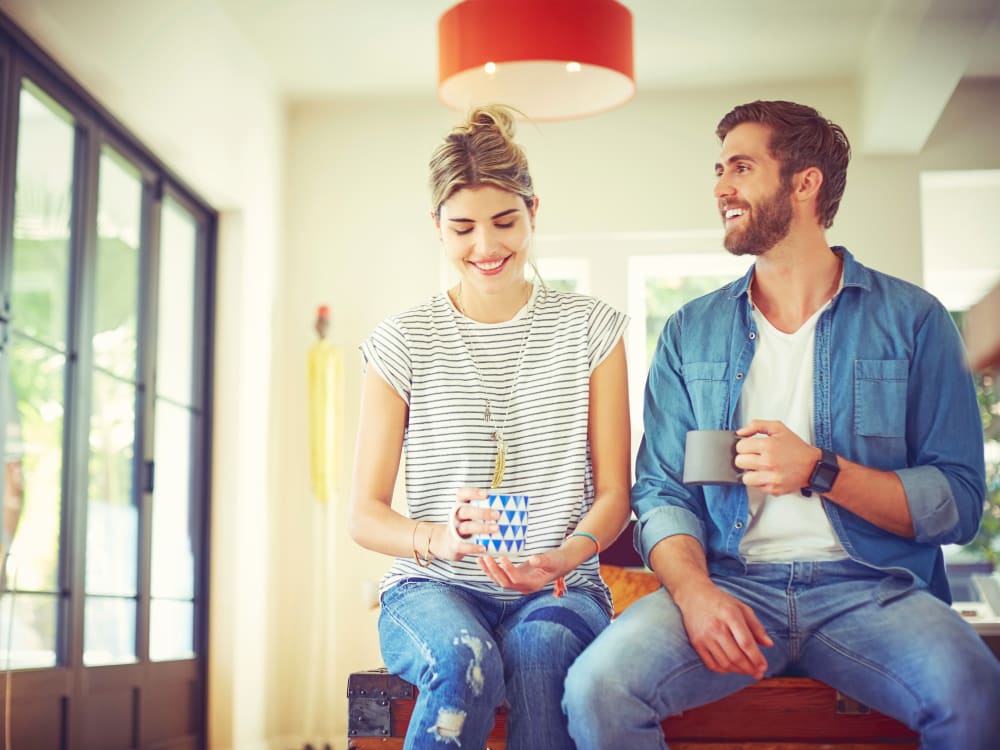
(550, 59)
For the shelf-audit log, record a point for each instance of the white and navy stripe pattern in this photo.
(421, 354)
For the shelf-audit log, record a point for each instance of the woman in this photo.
(503, 384)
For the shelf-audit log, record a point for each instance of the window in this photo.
(564, 274)
(658, 285)
(112, 584)
(105, 265)
(179, 420)
(961, 264)
(39, 355)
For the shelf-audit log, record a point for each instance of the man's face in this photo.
(753, 200)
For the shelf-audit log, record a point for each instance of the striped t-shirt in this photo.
(423, 354)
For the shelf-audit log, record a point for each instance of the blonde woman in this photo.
(498, 383)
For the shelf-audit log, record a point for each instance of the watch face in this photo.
(823, 476)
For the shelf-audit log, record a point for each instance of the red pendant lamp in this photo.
(550, 59)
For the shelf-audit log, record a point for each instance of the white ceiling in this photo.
(332, 48)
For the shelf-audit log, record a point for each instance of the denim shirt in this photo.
(891, 392)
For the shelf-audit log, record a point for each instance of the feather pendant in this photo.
(500, 462)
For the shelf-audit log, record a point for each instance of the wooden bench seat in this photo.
(780, 713)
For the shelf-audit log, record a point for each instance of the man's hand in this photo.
(723, 630)
(774, 459)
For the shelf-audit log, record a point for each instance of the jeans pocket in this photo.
(880, 397)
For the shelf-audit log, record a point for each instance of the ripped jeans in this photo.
(467, 652)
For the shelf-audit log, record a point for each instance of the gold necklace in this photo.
(500, 462)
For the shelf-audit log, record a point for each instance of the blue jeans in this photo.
(466, 652)
(876, 638)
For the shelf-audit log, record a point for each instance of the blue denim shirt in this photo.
(891, 392)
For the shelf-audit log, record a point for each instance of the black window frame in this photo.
(69, 685)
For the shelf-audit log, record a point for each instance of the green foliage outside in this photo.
(987, 541)
(986, 544)
(664, 296)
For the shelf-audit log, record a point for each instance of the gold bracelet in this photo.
(426, 562)
(427, 551)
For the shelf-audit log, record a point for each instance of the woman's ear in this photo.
(533, 211)
(436, 218)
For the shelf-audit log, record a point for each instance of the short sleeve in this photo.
(387, 351)
(607, 326)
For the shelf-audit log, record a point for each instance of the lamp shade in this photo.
(550, 59)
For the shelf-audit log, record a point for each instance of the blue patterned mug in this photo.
(513, 523)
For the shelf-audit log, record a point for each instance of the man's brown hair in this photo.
(800, 138)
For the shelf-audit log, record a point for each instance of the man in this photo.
(862, 454)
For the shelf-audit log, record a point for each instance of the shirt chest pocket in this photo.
(880, 397)
(707, 389)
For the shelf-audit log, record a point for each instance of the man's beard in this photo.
(768, 224)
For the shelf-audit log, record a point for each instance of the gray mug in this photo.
(709, 457)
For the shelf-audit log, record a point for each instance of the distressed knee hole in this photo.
(474, 671)
(448, 726)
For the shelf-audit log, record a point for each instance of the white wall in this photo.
(326, 203)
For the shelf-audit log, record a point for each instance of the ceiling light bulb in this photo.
(573, 67)
(490, 68)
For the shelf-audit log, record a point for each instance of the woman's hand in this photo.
(528, 577)
(464, 520)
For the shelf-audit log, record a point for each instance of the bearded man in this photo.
(861, 451)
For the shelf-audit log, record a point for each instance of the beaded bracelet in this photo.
(591, 537)
(560, 583)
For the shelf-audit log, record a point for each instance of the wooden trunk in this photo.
(781, 713)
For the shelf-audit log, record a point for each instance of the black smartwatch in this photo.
(824, 474)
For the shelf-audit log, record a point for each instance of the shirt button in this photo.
(739, 376)
(739, 524)
(752, 335)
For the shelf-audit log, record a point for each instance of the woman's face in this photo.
(486, 234)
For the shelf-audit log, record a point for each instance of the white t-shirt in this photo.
(422, 354)
(779, 385)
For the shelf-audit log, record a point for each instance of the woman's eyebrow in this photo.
(494, 217)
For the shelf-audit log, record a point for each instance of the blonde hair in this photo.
(481, 151)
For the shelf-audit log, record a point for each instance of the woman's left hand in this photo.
(527, 577)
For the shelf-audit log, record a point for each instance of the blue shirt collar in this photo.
(855, 274)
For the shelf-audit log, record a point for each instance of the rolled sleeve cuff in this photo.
(932, 503)
(656, 525)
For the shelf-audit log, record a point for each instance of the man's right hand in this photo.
(723, 630)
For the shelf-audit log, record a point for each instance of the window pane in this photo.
(666, 294)
(37, 378)
(42, 210)
(173, 536)
(119, 218)
(38, 359)
(112, 520)
(108, 631)
(175, 316)
(563, 274)
(32, 642)
(171, 630)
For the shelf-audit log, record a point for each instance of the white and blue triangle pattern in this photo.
(513, 523)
